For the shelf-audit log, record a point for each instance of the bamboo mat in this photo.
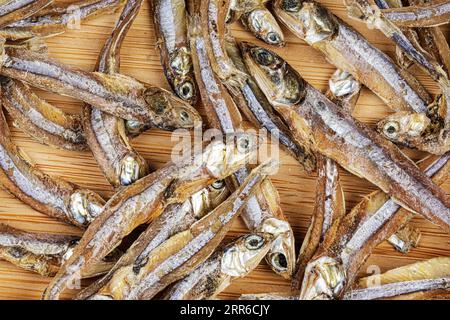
(141, 60)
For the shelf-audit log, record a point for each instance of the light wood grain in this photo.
(140, 59)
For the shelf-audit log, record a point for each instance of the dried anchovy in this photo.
(41, 120)
(350, 51)
(57, 20)
(105, 133)
(430, 15)
(13, 10)
(146, 199)
(239, 7)
(49, 195)
(117, 94)
(170, 23)
(263, 212)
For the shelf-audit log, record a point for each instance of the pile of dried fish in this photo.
(184, 210)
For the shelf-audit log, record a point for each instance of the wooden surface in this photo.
(140, 59)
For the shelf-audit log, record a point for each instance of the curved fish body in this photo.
(183, 252)
(429, 15)
(117, 94)
(415, 130)
(263, 212)
(41, 120)
(58, 19)
(252, 102)
(145, 200)
(13, 10)
(317, 121)
(175, 218)
(239, 7)
(105, 133)
(333, 269)
(262, 24)
(170, 23)
(235, 260)
(350, 51)
(49, 195)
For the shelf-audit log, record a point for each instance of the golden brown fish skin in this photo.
(429, 15)
(350, 51)
(170, 22)
(117, 94)
(226, 264)
(415, 130)
(52, 196)
(254, 105)
(146, 199)
(175, 218)
(41, 120)
(185, 251)
(370, 222)
(317, 121)
(58, 19)
(262, 24)
(11, 11)
(106, 135)
(263, 212)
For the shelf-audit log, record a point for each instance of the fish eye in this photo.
(243, 144)
(263, 57)
(279, 261)
(391, 129)
(273, 38)
(186, 90)
(184, 116)
(291, 5)
(254, 242)
(219, 184)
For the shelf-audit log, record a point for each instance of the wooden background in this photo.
(141, 60)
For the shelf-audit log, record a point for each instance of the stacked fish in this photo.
(187, 207)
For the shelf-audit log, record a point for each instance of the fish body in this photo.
(429, 15)
(13, 10)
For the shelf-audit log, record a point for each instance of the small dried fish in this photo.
(105, 133)
(263, 212)
(350, 51)
(318, 122)
(43, 253)
(235, 260)
(13, 10)
(239, 7)
(146, 199)
(262, 24)
(183, 252)
(49, 195)
(41, 120)
(58, 19)
(117, 94)
(429, 15)
(415, 130)
(175, 218)
(171, 31)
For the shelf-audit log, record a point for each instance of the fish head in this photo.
(209, 198)
(403, 126)
(307, 19)
(281, 255)
(84, 206)
(245, 253)
(180, 62)
(324, 279)
(170, 112)
(263, 24)
(131, 168)
(281, 84)
(343, 84)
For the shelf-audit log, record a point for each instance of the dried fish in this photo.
(41, 120)
(350, 51)
(239, 7)
(13, 10)
(175, 218)
(262, 24)
(58, 19)
(235, 260)
(146, 199)
(171, 31)
(415, 130)
(117, 94)
(183, 252)
(429, 15)
(105, 133)
(263, 212)
(318, 122)
(49, 195)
